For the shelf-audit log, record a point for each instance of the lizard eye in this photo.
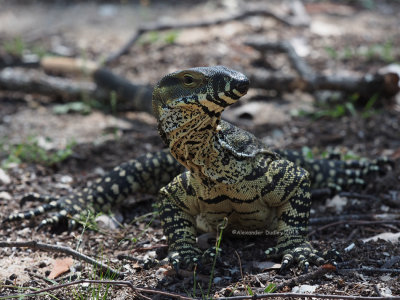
(188, 80)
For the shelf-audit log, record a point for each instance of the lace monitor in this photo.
(213, 170)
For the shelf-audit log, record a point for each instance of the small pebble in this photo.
(4, 178)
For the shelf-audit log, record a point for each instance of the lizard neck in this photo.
(194, 143)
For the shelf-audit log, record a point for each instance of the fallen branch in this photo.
(129, 96)
(350, 218)
(370, 270)
(34, 81)
(171, 295)
(129, 284)
(299, 295)
(354, 222)
(175, 26)
(66, 250)
(309, 81)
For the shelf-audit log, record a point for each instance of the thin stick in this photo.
(353, 217)
(66, 250)
(322, 270)
(356, 222)
(299, 295)
(372, 270)
(110, 282)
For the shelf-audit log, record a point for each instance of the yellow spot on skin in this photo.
(139, 167)
(115, 189)
(122, 173)
(108, 179)
(100, 189)
(156, 163)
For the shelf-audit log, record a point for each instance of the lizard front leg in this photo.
(177, 212)
(290, 193)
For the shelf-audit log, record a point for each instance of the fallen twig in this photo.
(66, 250)
(299, 295)
(322, 270)
(161, 27)
(354, 222)
(370, 270)
(308, 80)
(110, 282)
(138, 291)
(350, 218)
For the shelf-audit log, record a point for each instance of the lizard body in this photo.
(213, 170)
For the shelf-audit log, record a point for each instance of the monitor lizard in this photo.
(213, 171)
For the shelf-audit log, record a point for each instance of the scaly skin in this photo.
(229, 173)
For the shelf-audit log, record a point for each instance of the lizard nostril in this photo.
(243, 86)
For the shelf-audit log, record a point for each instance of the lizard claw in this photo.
(301, 253)
(185, 257)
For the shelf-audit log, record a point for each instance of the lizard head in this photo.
(181, 96)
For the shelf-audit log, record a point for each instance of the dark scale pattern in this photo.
(229, 174)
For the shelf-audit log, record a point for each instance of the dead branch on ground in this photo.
(129, 96)
(66, 250)
(354, 222)
(300, 21)
(349, 218)
(370, 270)
(139, 292)
(310, 81)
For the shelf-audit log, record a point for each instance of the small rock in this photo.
(4, 178)
(5, 196)
(66, 179)
(304, 289)
(24, 232)
(337, 203)
(107, 222)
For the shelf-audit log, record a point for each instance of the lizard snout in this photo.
(243, 86)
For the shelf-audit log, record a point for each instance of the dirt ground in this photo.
(351, 38)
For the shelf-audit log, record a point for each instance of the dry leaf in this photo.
(60, 266)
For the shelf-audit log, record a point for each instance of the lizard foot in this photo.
(301, 252)
(185, 256)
